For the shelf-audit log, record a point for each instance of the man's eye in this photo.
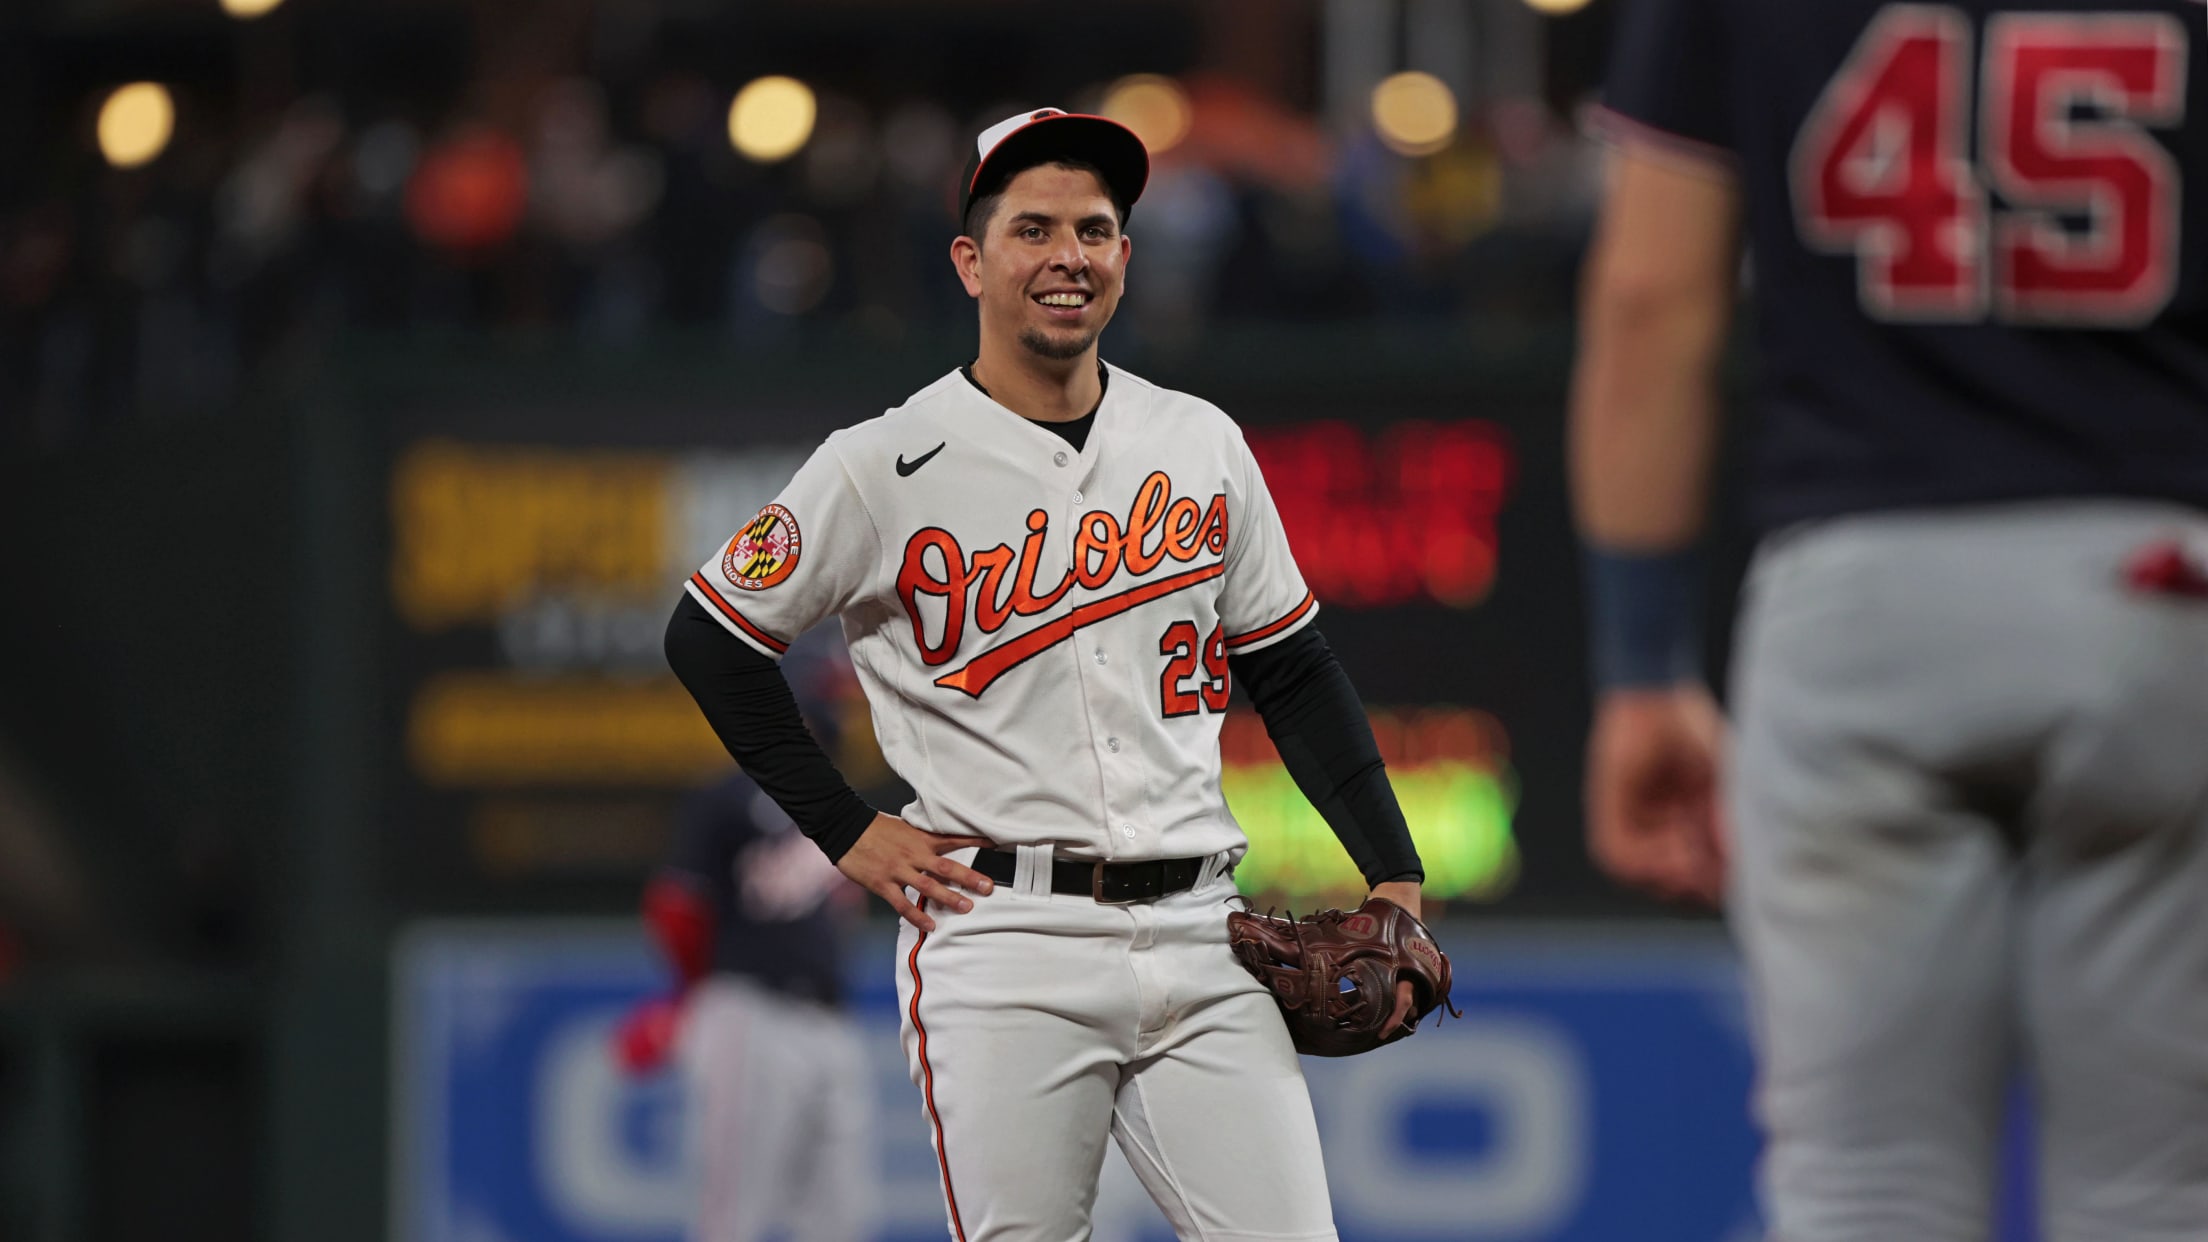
(1094, 233)
(1031, 232)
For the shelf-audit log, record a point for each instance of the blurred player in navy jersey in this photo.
(749, 913)
(1968, 786)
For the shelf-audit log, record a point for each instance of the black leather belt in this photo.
(1113, 884)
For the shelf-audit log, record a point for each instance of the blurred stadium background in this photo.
(401, 356)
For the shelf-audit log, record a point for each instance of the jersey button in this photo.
(1077, 498)
(1127, 831)
(1057, 459)
(1100, 656)
(1112, 744)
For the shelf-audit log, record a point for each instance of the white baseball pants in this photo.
(1037, 1024)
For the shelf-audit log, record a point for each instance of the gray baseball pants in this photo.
(1969, 799)
(783, 1095)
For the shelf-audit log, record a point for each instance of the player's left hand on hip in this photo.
(892, 856)
(1654, 801)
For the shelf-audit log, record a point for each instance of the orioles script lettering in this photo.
(993, 585)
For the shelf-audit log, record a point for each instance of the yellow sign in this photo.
(499, 730)
(477, 530)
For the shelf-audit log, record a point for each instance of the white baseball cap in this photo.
(1020, 142)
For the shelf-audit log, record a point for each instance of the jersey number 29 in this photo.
(1882, 169)
(1187, 651)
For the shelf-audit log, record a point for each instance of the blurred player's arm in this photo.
(1655, 309)
(1656, 304)
(680, 921)
(678, 902)
(680, 918)
(751, 708)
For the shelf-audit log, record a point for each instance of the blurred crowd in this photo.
(611, 206)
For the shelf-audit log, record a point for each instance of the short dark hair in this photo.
(984, 207)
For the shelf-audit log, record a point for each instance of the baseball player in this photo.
(1050, 573)
(1966, 789)
(747, 911)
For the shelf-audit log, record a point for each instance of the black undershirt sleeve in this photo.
(748, 702)
(1324, 737)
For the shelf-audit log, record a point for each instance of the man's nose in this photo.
(1067, 255)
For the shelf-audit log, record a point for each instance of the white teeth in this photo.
(1064, 299)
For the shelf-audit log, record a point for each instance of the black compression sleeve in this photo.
(1325, 739)
(748, 702)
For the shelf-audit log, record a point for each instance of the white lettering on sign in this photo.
(1525, 1076)
(592, 1180)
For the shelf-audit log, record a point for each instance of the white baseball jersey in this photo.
(1042, 632)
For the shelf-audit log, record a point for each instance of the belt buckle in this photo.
(1096, 890)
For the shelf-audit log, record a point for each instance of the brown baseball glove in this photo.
(1334, 972)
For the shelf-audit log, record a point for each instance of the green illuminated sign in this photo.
(1460, 816)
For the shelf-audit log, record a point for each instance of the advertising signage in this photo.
(538, 746)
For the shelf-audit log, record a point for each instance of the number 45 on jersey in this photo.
(2065, 101)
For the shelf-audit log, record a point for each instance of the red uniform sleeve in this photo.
(681, 923)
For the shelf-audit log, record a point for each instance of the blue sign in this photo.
(1593, 1090)
(1596, 1088)
(512, 1119)
(1589, 1093)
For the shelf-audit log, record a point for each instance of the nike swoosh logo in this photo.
(905, 468)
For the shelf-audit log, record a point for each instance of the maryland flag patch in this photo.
(763, 552)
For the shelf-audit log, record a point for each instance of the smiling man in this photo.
(1049, 572)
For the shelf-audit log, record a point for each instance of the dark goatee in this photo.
(1058, 349)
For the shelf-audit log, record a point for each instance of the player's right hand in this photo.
(1654, 817)
(892, 856)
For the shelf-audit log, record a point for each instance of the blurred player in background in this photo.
(749, 913)
(1968, 793)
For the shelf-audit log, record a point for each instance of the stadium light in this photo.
(1415, 113)
(1155, 107)
(136, 123)
(1556, 8)
(772, 119)
(247, 10)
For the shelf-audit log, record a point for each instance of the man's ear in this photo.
(966, 257)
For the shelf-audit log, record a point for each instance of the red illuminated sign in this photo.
(1408, 737)
(1398, 516)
